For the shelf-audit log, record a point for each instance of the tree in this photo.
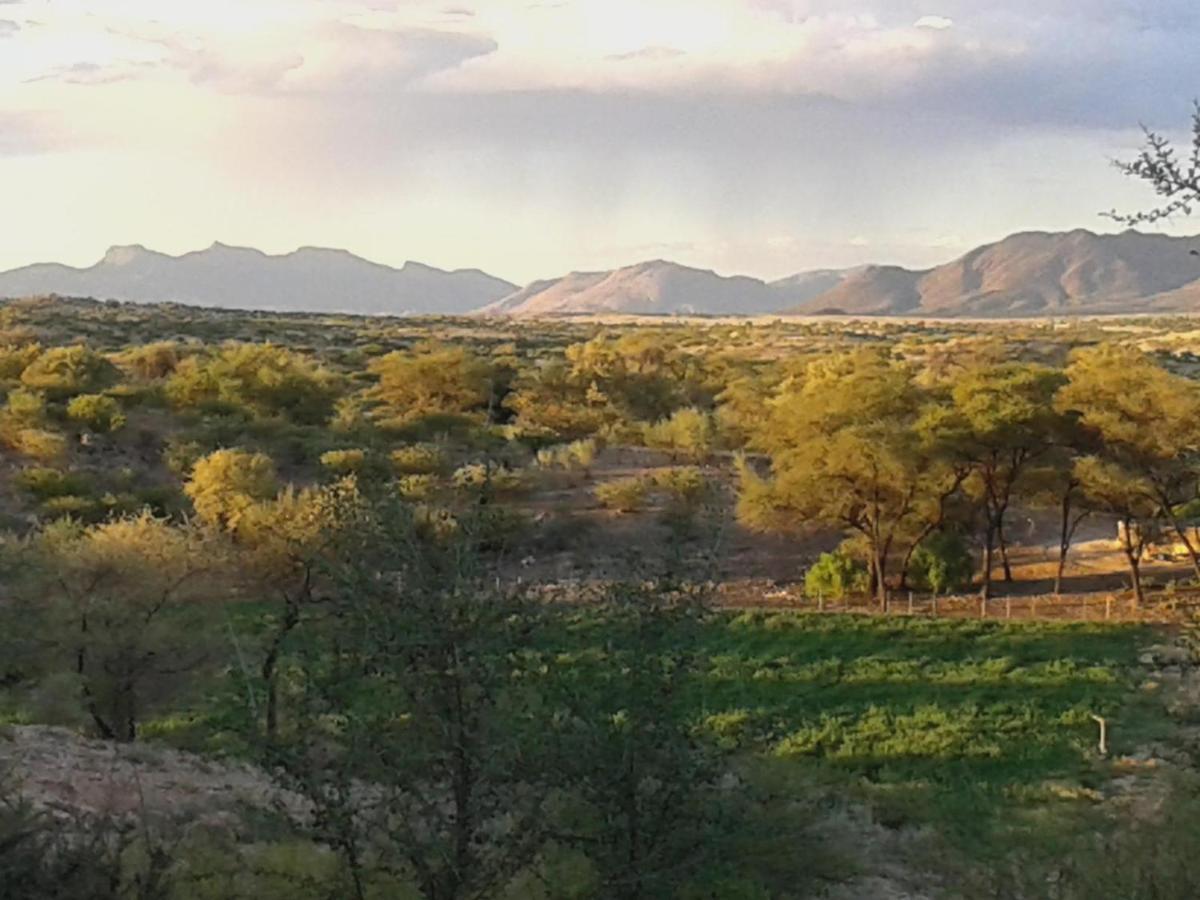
(1175, 180)
(226, 483)
(1146, 423)
(1001, 421)
(122, 607)
(845, 451)
(286, 548)
(640, 789)
(433, 379)
(1112, 488)
(423, 686)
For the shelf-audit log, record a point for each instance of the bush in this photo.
(45, 483)
(623, 495)
(263, 379)
(97, 412)
(25, 406)
(36, 443)
(835, 575)
(575, 455)
(63, 372)
(226, 483)
(941, 564)
(417, 487)
(150, 361)
(419, 459)
(689, 433)
(683, 484)
(344, 462)
(496, 479)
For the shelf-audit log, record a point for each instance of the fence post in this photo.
(820, 601)
(983, 607)
(1103, 734)
(910, 603)
(935, 604)
(1108, 607)
(1008, 607)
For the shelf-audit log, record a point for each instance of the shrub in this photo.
(575, 455)
(942, 563)
(63, 372)
(493, 478)
(150, 361)
(25, 406)
(14, 360)
(226, 483)
(180, 455)
(45, 483)
(834, 575)
(623, 495)
(97, 412)
(683, 484)
(261, 378)
(417, 487)
(344, 462)
(419, 459)
(689, 433)
(36, 443)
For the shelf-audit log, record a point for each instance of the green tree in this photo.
(285, 549)
(125, 608)
(1001, 421)
(424, 687)
(1146, 423)
(846, 452)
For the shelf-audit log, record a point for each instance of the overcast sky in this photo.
(532, 137)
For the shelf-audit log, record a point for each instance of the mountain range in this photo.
(311, 279)
(1027, 274)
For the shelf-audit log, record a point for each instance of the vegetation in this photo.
(376, 561)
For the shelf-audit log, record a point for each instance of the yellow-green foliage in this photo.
(497, 479)
(62, 372)
(260, 378)
(95, 411)
(419, 459)
(417, 487)
(689, 433)
(683, 484)
(575, 455)
(344, 462)
(15, 359)
(226, 483)
(25, 406)
(35, 443)
(44, 483)
(623, 494)
(150, 361)
(433, 379)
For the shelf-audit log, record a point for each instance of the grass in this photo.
(965, 725)
(957, 723)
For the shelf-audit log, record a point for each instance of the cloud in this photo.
(25, 133)
(937, 23)
(8, 28)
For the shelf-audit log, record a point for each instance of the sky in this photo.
(534, 137)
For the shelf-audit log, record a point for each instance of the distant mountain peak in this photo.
(124, 254)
